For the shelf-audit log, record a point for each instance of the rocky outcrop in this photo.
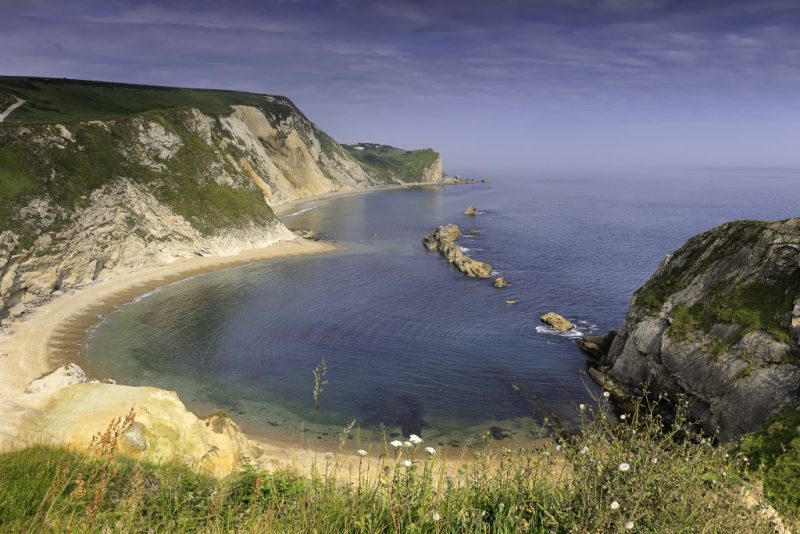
(114, 195)
(160, 428)
(597, 346)
(500, 282)
(471, 211)
(557, 322)
(443, 240)
(717, 323)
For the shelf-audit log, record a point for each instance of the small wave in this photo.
(464, 249)
(298, 212)
(494, 273)
(145, 295)
(570, 334)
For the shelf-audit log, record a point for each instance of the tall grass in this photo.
(616, 475)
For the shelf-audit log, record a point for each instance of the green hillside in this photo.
(388, 162)
(64, 100)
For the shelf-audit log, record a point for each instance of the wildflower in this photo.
(407, 463)
(655, 460)
(436, 516)
(361, 452)
(430, 450)
(629, 525)
(614, 505)
(558, 448)
(408, 444)
(415, 439)
(622, 417)
(624, 467)
(582, 407)
(606, 394)
(396, 444)
(328, 455)
(584, 450)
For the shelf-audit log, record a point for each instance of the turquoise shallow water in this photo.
(409, 342)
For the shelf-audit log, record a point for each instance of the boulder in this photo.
(471, 211)
(557, 322)
(597, 346)
(500, 282)
(64, 376)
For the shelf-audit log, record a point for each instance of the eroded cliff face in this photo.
(719, 321)
(87, 199)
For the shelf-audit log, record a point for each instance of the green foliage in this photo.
(695, 257)
(774, 451)
(661, 481)
(62, 100)
(391, 164)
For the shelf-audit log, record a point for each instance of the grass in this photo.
(392, 164)
(774, 454)
(755, 307)
(695, 257)
(63, 100)
(613, 476)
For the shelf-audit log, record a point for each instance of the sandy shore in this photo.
(35, 344)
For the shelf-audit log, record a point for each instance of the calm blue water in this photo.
(409, 342)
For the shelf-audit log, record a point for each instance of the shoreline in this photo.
(37, 343)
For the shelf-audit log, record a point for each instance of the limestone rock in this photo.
(443, 240)
(597, 346)
(680, 334)
(557, 322)
(64, 376)
(500, 282)
(163, 429)
(471, 210)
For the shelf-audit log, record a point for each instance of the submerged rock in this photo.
(597, 346)
(443, 240)
(471, 210)
(500, 282)
(557, 322)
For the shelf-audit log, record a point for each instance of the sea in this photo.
(401, 341)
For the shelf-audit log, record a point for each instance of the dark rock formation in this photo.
(500, 282)
(719, 322)
(471, 210)
(597, 346)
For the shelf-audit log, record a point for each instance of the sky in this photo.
(497, 86)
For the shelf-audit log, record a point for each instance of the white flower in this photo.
(655, 460)
(396, 444)
(558, 448)
(629, 525)
(407, 463)
(436, 516)
(606, 394)
(328, 455)
(624, 467)
(408, 444)
(622, 417)
(430, 450)
(582, 407)
(614, 505)
(584, 450)
(415, 439)
(361, 452)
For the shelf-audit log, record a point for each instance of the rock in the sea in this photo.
(307, 234)
(597, 346)
(471, 210)
(500, 282)
(443, 240)
(557, 322)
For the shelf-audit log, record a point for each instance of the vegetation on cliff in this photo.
(615, 475)
(392, 164)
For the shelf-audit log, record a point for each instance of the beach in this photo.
(43, 339)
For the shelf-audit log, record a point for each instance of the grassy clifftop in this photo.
(391, 163)
(64, 100)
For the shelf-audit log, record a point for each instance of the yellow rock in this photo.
(163, 429)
